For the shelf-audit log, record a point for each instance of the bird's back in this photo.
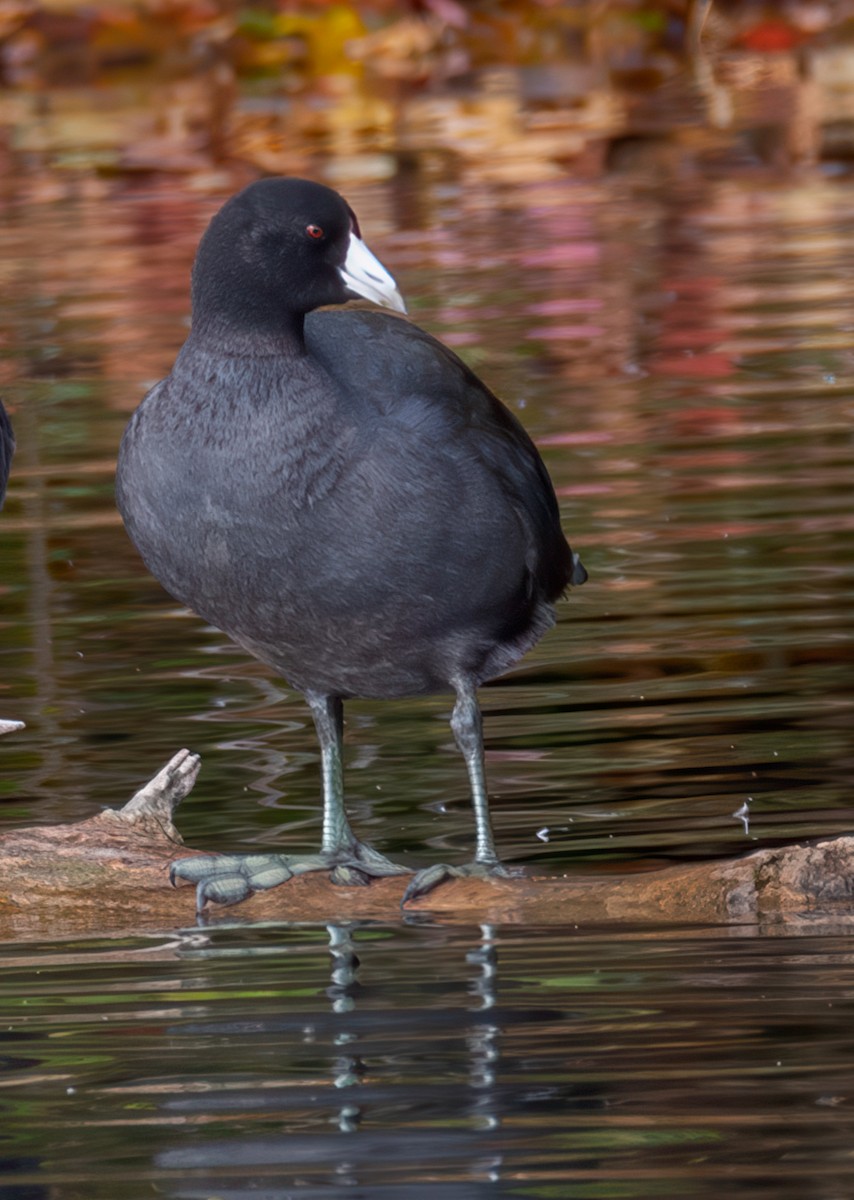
(413, 380)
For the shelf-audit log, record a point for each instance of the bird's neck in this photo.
(227, 334)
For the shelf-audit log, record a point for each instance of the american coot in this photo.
(7, 449)
(342, 496)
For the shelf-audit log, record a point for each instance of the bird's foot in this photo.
(230, 878)
(430, 877)
(358, 863)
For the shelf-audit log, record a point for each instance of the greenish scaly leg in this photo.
(467, 726)
(230, 878)
(353, 862)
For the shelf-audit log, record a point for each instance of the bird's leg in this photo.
(328, 714)
(230, 878)
(467, 726)
(352, 861)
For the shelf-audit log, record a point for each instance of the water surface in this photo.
(455, 1063)
(681, 350)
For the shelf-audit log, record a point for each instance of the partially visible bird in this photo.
(340, 494)
(7, 449)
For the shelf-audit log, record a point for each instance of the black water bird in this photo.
(7, 449)
(341, 495)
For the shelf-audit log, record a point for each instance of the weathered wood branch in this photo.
(110, 874)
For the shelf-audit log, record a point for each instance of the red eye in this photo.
(314, 231)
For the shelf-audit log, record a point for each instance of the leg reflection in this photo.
(484, 1047)
(348, 1069)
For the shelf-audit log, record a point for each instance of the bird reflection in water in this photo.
(438, 1135)
(482, 1041)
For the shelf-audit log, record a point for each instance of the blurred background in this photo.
(376, 88)
(635, 221)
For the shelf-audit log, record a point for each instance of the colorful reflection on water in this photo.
(682, 352)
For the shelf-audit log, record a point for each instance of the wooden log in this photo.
(109, 874)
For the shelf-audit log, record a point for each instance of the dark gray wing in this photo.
(435, 390)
